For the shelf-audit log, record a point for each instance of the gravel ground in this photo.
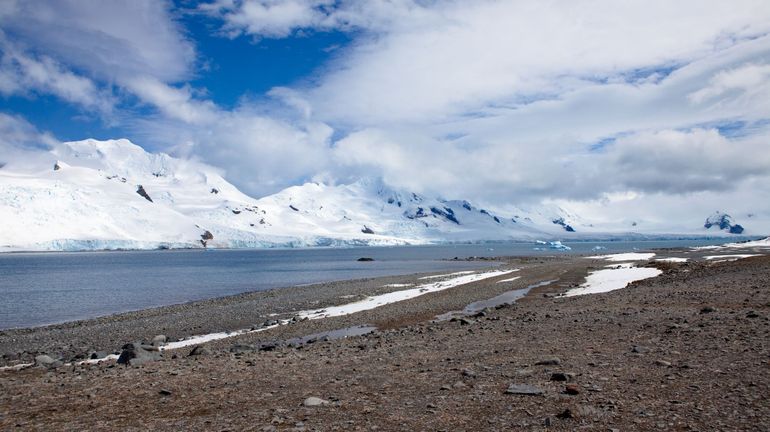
(688, 350)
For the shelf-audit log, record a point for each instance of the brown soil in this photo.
(648, 357)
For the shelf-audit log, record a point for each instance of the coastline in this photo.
(80, 340)
(682, 351)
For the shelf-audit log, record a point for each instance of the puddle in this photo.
(507, 297)
(331, 335)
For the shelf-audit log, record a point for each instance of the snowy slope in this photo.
(112, 194)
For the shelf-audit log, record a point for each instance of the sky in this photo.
(609, 108)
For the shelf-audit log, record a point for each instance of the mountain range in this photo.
(93, 195)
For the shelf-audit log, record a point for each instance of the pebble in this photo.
(572, 389)
(562, 376)
(313, 401)
(524, 389)
(553, 361)
(663, 363)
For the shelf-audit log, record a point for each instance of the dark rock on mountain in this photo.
(419, 213)
(467, 206)
(446, 213)
(293, 208)
(205, 237)
(214, 191)
(724, 222)
(560, 221)
(140, 190)
(365, 259)
(56, 166)
(367, 230)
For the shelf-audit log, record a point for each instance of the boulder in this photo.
(159, 340)
(136, 354)
(47, 362)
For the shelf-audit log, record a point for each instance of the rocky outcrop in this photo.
(367, 230)
(561, 222)
(143, 193)
(205, 237)
(724, 222)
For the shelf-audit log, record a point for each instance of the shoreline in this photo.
(79, 340)
(686, 350)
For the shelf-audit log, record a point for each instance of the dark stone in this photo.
(365, 259)
(293, 208)
(268, 346)
(135, 354)
(199, 350)
(554, 361)
(56, 166)
(572, 389)
(562, 376)
(140, 190)
(236, 211)
(524, 389)
(708, 309)
(164, 392)
(214, 191)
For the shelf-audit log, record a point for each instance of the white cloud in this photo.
(21, 73)
(494, 101)
(21, 142)
(111, 39)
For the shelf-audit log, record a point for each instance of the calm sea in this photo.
(47, 288)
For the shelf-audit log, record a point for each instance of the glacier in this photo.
(114, 195)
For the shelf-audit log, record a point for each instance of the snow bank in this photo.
(632, 256)
(397, 296)
(612, 278)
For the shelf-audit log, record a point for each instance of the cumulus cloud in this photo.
(21, 73)
(21, 142)
(498, 102)
(111, 39)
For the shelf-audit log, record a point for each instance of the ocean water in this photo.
(46, 288)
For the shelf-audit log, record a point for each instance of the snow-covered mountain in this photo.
(112, 194)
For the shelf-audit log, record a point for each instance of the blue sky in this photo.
(494, 101)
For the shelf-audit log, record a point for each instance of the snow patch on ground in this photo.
(632, 256)
(509, 280)
(732, 257)
(611, 279)
(446, 275)
(397, 296)
(672, 259)
(196, 340)
(395, 285)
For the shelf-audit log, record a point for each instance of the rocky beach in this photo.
(686, 350)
